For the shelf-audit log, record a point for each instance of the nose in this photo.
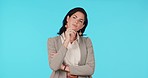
(76, 21)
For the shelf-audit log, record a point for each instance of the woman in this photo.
(70, 54)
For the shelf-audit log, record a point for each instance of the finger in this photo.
(69, 29)
(52, 54)
(72, 31)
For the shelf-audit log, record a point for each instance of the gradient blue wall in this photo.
(118, 29)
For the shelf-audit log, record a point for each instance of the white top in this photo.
(73, 54)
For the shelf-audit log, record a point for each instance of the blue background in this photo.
(118, 30)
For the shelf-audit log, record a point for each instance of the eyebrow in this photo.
(77, 16)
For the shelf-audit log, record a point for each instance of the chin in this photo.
(75, 30)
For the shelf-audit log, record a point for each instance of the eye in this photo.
(81, 21)
(74, 17)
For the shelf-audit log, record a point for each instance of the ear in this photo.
(67, 19)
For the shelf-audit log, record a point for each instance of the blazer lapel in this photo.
(83, 52)
(59, 42)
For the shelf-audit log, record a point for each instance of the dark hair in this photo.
(70, 13)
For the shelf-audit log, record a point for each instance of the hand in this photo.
(62, 67)
(70, 35)
(72, 76)
(52, 54)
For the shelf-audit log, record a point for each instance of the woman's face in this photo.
(76, 21)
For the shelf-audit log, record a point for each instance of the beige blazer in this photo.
(87, 62)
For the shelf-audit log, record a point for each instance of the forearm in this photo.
(58, 59)
(81, 70)
(78, 70)
(89, 66)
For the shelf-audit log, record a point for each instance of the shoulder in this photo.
(52, 39)
(87, 39)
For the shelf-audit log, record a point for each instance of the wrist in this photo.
(66, 42)
(67, 69)
(64, 67)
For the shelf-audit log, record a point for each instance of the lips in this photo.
(74, 25)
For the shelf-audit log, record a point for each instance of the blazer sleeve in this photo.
(56, 61)
(88, 68)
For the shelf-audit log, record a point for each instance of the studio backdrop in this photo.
(118, 30)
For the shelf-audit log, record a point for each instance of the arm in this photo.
(55, 61)
(88, 68)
